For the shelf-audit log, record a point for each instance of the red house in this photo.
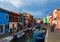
(15, 21)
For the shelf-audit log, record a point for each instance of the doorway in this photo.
(1, 29)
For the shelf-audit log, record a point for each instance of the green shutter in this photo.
(22, 21)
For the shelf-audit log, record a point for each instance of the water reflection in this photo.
(30, 36)
(25, 38)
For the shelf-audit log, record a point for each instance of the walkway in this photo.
(9, 37)
(53, 36)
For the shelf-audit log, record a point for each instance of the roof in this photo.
(58, 9)
(8, 11)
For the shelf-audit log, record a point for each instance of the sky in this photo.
(37, 8)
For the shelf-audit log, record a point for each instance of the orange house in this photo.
(58, 18)
(57, 13)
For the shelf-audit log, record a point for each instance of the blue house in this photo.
(4, 21)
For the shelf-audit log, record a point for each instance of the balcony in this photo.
(14, 19)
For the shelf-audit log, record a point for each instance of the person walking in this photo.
(52, 27)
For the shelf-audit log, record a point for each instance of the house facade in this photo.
(14, 22)
(4, 22)
(28, 20)
(56, 18)
(9, 21)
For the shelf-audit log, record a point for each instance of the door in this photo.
(1, 28)
(12, 27)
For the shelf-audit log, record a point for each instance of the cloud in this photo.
(2, 1)
(27, 3)
(16, 3)
(36, 7)
(19, 3)
(37, 14)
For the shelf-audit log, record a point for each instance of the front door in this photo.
(1, 29)
(12, 27)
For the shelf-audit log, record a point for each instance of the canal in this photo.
(25, 38)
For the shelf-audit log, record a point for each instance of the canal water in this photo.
(25, 38)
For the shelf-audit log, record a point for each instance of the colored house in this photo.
(45, 20)
(14, 21)
(29, 20)
(4, 22)
(9, 21)
(48, 18)
(38, 20)
(56, 18)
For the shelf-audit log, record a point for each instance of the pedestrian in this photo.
(52, 27)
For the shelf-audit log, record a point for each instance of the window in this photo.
(21, 18)
(18, 18)
(55, 12)
(15, 18)
(7, 26)
(10, 17)
(18, 25)
(7, 17)
(55, 18)
(1, 28)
